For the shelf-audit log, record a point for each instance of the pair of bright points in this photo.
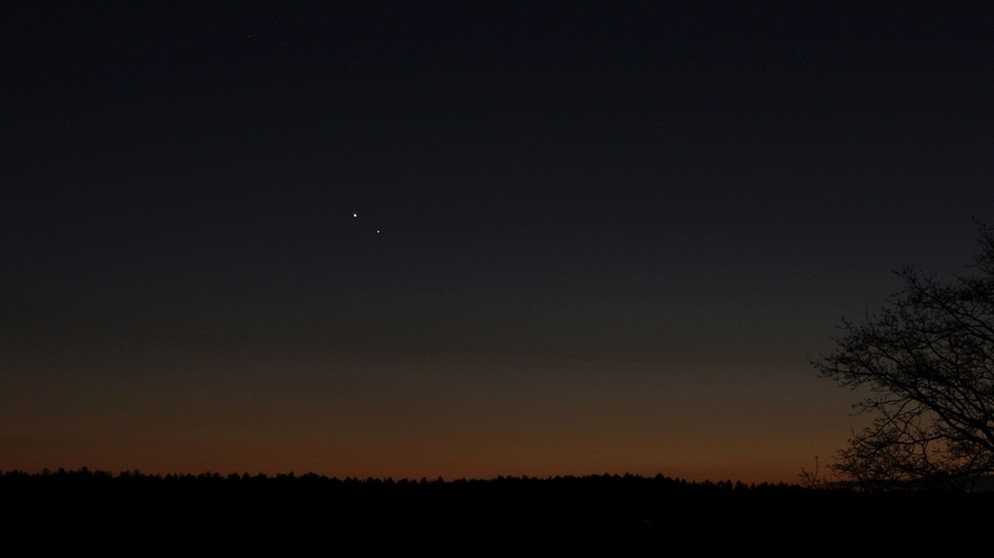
(356, 216)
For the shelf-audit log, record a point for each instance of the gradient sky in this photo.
(406, 239)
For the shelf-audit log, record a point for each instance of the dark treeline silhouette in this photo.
(289, 512)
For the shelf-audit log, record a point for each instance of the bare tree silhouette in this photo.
(927, 362)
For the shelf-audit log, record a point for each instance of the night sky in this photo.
(462, 240)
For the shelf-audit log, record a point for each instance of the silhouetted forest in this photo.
(291, 513)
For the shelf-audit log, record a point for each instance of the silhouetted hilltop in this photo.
(287, 512)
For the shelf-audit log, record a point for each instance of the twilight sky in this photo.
(411, 239)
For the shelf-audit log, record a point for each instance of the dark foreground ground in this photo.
(133, 514)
